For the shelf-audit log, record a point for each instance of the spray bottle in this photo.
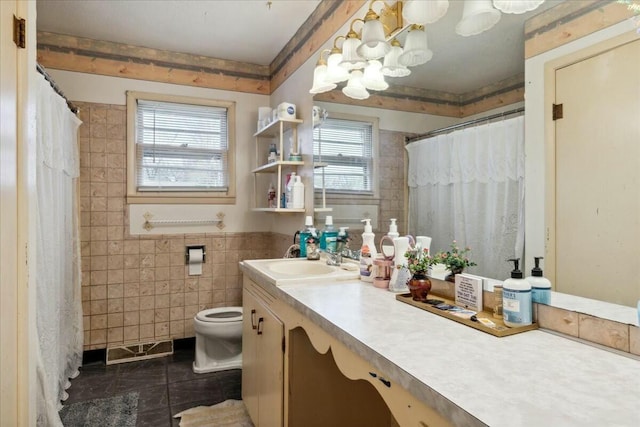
(367, 252)
(516, 299)
(540, 286)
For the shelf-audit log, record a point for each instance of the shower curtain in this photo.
(58, 295)
(468, 186)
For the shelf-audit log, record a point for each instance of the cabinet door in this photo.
(250, 368)
(271, 369)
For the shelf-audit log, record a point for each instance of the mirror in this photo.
(608, 308)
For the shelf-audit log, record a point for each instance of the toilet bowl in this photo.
(218, 339)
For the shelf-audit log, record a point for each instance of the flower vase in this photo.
(419, 285)
(451, 277)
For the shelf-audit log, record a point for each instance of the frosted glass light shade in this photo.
(424, 11)
(516, 6)
(336, 73)
(354, 88)
(478, 16)
(320, 83)
(416, 50)
(373, 79)
(351, 60)
(374, 44)
(391, 66)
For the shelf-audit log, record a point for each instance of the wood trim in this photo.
(119, 60)
(323, 23)
(570, 21)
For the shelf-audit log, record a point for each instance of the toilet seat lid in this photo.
(220, 315)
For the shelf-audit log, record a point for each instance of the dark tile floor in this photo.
(165, 385)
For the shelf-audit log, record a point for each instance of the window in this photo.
(346, 147)
(180, 150)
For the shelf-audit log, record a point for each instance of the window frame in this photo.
(333, 194)
(171, 196)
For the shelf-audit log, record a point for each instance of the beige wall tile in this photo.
(130, 318)
(131, 289)
(566, 322)
(147, 316)
(99, 321)
(161, 330)
(605, 332)
(634, 340)
(115, 320)
(115, 335)
(147, 331)
(176, 329)
(131, 333)
(98, 336)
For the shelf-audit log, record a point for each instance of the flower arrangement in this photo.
(418, 260)
(455, 259)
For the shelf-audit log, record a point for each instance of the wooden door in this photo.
(271, 364)
(250, 368)
(598, 176)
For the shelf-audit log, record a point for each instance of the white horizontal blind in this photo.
(181, 147)
(347, 147)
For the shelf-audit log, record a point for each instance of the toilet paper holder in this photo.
(204, 253)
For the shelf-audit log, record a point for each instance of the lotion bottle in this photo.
(516, 299)
(540, 285)
(367, 252)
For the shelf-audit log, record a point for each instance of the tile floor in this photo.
(166, 385)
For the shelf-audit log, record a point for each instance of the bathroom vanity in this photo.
(328, 349)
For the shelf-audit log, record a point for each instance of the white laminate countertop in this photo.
(530, 379)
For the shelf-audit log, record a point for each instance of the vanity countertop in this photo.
(534, 378)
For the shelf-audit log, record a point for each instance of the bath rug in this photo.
(230, 413)
(117, 411)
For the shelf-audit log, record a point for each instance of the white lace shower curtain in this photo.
(468, 186)
(58, 295)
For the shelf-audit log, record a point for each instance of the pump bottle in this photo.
(304, 235)
(329, 236)
(367, 252)
(516, 299)
(540, 285)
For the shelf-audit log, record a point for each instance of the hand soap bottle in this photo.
(516, 299)
(367, 252)
(304, 235)
(329, 236)
(540, 285)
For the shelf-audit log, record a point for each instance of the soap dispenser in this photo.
(304, 235)
(540, 285)
(516, 299)
(367, 252)
(329, 236)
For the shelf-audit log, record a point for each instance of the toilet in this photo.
(218, 339)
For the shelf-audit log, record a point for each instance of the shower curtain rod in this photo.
(56, 88)
(460, 125)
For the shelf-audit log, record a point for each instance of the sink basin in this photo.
(282, 271)
(301, 268)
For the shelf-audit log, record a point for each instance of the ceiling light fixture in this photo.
(359, 61)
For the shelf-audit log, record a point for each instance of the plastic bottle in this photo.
(312, 249)
(516, 299)
(342, 241)
(289, 198)
(367, 252)
(399, 273)
(297, 193)
(271, 197)
(304, 235)
(540, 285)
(329, 236)
(393, 229)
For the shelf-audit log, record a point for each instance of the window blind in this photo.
(181, 147)
(346, 147)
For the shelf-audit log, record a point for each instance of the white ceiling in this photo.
(251, 31)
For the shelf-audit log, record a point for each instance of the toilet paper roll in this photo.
(195, 262)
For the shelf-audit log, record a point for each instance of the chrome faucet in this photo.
(333, 258)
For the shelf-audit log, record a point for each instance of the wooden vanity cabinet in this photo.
(313, 380)
(262, 359)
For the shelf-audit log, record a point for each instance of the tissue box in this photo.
(286, 110)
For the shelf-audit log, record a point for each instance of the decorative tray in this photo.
(464, 316)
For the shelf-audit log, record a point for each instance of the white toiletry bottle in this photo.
(540, 285)
(399, 272)
(304, 235)
(367, 252)
(516, 299)
(393, 229)
(271, 197)
(289, 192)
(329, 236)
(298, 193)
(342, 241)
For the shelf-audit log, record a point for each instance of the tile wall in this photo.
(136, 288)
